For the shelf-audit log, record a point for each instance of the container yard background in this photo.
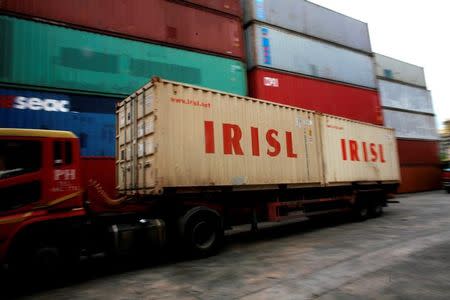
(291, 52)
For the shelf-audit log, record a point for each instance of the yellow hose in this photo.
(104, 196)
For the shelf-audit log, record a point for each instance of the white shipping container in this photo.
(396, 95)
(171, 135)
(391, 68)
(279, 49)
(310, 19)
(411, 125)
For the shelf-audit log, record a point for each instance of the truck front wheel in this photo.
(202, 231)
(36, 260)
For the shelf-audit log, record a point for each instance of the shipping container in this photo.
(227, 140)
(394, 69)
(276, 48)
(310, 19)
(73, 60)
(155, 20)
(91, 118)
(99, 170)
(420, 178)
(323, 96)
(232, 7)
(354, 151)
(401, 96)
(38, 101)
(411, 125)
(417, 152)
(96, 131)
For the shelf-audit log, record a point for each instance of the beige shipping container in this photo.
(172, 135)
(358, 152)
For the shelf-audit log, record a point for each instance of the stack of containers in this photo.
(305, 55)
(407, 107)
(67, 55)
(64, 64)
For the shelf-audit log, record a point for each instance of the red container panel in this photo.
(417, 152)
(420, 178)
(232, 7)
(313, 94)
(156, 20)
(102, 170)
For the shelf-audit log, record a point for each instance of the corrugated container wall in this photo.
(91, 118)
(358, 152)
(420, 178)
(225, 140)
(155, 20)
(394, 69)
(310, 19)
(74, 60)
(100, 169)
(319, 95)
(414, 152)
(276, 48)
(405, 97)
(411, 125)
(232, 7)
(408, 108)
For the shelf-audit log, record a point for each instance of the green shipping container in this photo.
(59, 58)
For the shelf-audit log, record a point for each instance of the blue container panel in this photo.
(76, 103)
(96, 131)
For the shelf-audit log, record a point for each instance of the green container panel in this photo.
(54, 57)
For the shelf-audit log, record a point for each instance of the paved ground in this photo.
(403, 255)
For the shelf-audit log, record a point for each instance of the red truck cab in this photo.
(47, 215)
(39, 180)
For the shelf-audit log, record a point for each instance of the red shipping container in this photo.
(418, 152)
(232, 7)
(420, 178)
(314, 94)
(161, 21)
(102, 170)
(98, 176)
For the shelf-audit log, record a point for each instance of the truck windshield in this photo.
(18, 157)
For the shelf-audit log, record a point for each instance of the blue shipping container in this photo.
(91, 118)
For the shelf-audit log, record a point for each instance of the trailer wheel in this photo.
(202, 231)
(376, 208)
(361, 210)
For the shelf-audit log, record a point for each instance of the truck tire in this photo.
(376, 208)
(48, 259)
(38, 261)
(361, 210)
(201, 231)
